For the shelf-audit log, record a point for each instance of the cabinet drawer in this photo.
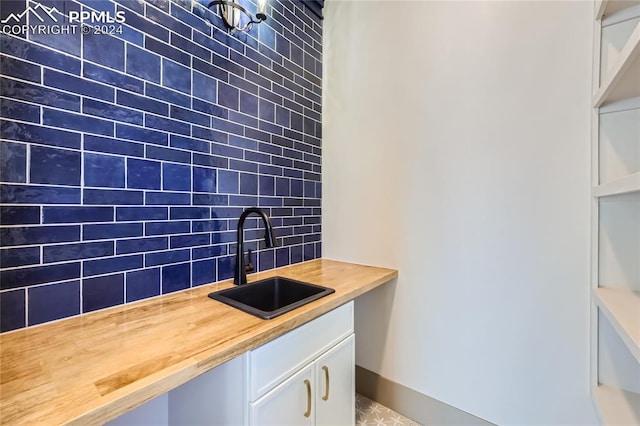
(273, 362)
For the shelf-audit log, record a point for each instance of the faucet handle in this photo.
(249, 266)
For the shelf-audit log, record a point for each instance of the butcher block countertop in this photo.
(94, 367)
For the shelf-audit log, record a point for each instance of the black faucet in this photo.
(240, 276)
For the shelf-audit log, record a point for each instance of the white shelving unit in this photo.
(615, 272)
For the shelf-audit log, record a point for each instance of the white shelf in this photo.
(622, 309)
(606, 8)
(617, 406)
(624, 185)
(623, 81)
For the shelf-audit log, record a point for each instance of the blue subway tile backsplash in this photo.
(127, 158)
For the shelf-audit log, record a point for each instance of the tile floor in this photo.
(371, 413)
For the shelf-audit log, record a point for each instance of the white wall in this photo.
(456, 149)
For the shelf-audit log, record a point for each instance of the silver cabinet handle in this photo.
(308, 412)
(326, 378)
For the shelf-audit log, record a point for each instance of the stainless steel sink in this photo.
(271, 297)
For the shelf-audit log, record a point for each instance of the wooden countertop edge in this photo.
(144, 390)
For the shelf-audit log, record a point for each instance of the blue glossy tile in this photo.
(249, 104)
(190, 144)
(171, 96)
(139, 134)
(167, 198)
(297, 187)
(296, 254)
(112, 112)
(32, 133)
(20, 69)
(204, 87)
(22, 256)
(137, 245)
(209, 200)
(141, 213)
(76, 214)
(19, 215)
(267, 110)
(228, 96)
(176, 76)
(78, 122)
(107, 196)
(112, 146)
(267, 185)
(26, 235)
(166, 257)
(189, 115)
(78, 85)
(192, 240)
(208, 225)
(209, 252)
(211, 44)
(226, 126)
(111, 230)
(167, 228)
(143, 284)
(39, 95)
(225, 267)
(210, 161)
(143, 174)
(39, 54)
(204, 180)
(161, 123)
(103, 170)
(135, 5)
(19, 111)
(168, 154)
(190, 47)
(54, 166)
(203, 272)
(190, 19)
(112, 78)
(13, 162)
(282, 256)
(142, 103)
(12, 310)
(176, 177)
(166, 20)
(309, 251)
(113, 264)
(209, 134)
(266, 260)
(248, 184)
(228, 182)
(166, 51)
(52, 302)
(32, 275)
(210, 70)
(32, 194)
(77, 251)
(146, 26)
(175, 278)
(189, 213)
(102, 292)
(104, 49)
(143, 64)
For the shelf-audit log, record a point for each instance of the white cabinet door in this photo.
(289, 403)
(335, 385)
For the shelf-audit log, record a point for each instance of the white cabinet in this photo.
(289, 403)
(335, 385)
(615, 272)
(321, 393)
(306, 376)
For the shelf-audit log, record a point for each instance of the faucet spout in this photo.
(240, 275)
